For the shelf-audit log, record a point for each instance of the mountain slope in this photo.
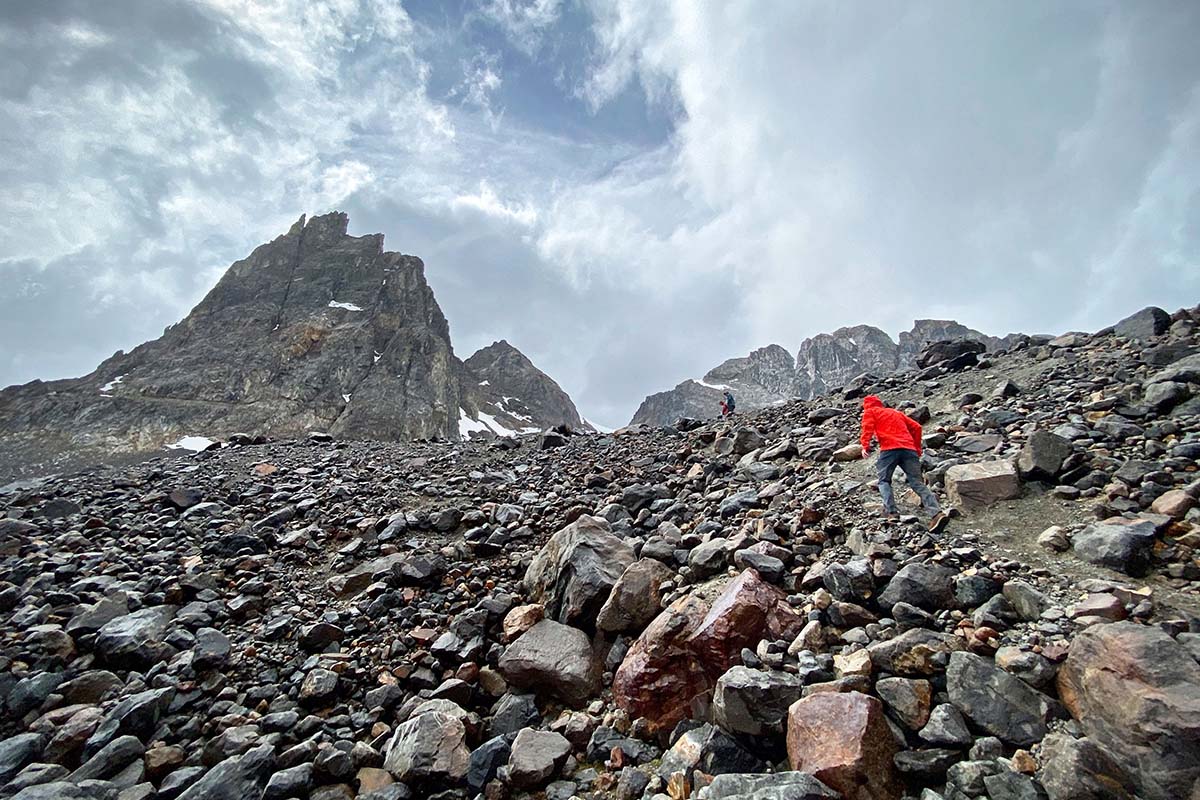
(316, 330)
(513, 395)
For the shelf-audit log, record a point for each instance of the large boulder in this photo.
(780, 786)
(678, 659)
(555, 660)
(1043, 455)
(574, 572)
(996, 702)
(1133, 690)
(844, 741)
(240, 776)
(1077, 769)
(1144, 325)
(430, 747)
(975, 486)
(926, 586)
(536, 757)
(135, 641)
(1119, 544)
(754, 702)
(634, 600)
(951, 353)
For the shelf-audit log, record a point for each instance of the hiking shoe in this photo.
(939, 522)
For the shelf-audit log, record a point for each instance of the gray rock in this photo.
(241, 776)
(781, 786)
(17, 751)
(1123, 545)
(997, 702)
(555, 660)
(974, 486)
(946, 728)
(135, 641)
(923, 585)
(573, 574)
(754, 702)
(429, 747)
(536, 757)
(1043, 455)
(1144, 325)
(635, 598)
(1076, 769)
(110, 759)
(486, 760)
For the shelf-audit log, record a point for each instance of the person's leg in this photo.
(910, 462)
(885, 466)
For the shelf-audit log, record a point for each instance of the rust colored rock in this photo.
(843, 740)
(678, 659)
(748, 610)
(1133, 690)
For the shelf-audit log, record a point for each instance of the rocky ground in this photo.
(704, 610)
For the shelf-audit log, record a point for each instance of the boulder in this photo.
(710, 751)
(1144, 325)
(1043, 455)
(1120, 544)
(908, 699)
(535, 758)
(1076, 769)
(975, 486)
(430, 747)
(135, 641)
(923, 585)
(1133, 690)
(780, 786)
(951, 353)
(576, 569)
(241, 776)
(1174, 504)
(680, 656)
(754, 702)
(17, 751)
(844, 741)
(634, 600)
(915, 652)
(996, 702)
(555, 660)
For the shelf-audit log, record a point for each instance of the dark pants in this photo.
(910, 463)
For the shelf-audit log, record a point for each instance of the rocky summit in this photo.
(314, 331)
(824, 363)
(716, 611)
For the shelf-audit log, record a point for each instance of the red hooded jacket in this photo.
(894, 430)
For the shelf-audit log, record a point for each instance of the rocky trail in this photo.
(700, 610)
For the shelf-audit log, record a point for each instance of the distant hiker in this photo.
(727, 406)
(899, 439)
(724, 409)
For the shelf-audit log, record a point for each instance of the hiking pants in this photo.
(910, 462)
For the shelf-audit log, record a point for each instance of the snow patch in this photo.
(108, 387)
(193, 443)
(346, 397)
(378, 355)
(347, 306)
(596, 426)
(467, 426)
(718, 386)
(485, 383)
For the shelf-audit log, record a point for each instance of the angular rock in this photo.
(1144, 325)
(430, 747)
(754, 702)
(974, 486)
(135, 641)
(1043, 455)
(241, 776)
(634, 600)
(555, 660)
(536, 757)
(780, 786)
(574, 572)
(1123, 545)
(924, 585)
(1076, 769)
(996, 702)
(1133, 690)
(844, 741)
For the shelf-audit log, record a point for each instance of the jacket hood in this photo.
(871, 401)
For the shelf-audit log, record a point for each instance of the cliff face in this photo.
(316, 330)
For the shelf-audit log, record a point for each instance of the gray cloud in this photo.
(1024, 167)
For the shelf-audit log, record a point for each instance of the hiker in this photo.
(899, 439)
(724, 409)
(727, 406)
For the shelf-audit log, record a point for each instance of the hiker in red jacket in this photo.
(899, 439)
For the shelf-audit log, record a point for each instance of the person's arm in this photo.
(868, 431)
(914, 430)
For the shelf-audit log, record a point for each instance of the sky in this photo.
(629, 191)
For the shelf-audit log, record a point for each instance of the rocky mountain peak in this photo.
(514, 395)
(314, 330)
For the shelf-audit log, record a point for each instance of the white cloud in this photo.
(525, 22)
(487, 202)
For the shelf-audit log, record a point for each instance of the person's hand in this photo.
(866, 452)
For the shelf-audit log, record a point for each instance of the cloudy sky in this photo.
(629, 191)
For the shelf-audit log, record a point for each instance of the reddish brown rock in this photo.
(1133, 690)
(678, 659)
(843, 740)
(1173, 504)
